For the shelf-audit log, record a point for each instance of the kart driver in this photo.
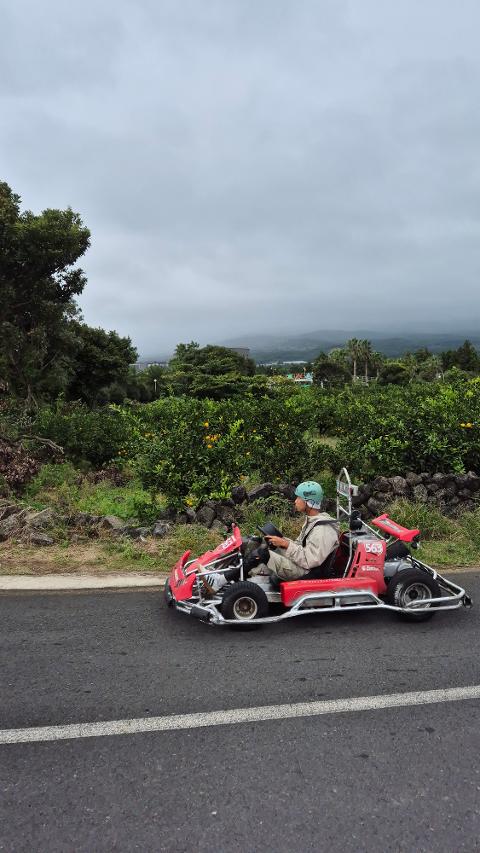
(316, 541)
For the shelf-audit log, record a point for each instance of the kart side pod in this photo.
(293, 591)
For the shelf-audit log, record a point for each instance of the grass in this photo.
(444, 541)
(67, 491)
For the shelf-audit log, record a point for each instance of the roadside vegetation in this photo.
(82, 431)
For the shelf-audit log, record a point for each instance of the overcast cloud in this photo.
(243, 166)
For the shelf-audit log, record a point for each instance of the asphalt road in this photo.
(401, 779)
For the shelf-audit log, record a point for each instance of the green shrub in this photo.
(97, 435)
(51, 476)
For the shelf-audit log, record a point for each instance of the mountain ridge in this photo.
(272, 347)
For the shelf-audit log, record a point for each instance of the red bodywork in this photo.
(365, 572)
(393, 529)
(182, 580)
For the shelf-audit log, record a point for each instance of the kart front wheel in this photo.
(244, 602)
(413, 585)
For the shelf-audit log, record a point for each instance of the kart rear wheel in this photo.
(412, 585)
(245, 602)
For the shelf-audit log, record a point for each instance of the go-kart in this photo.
(371, 569)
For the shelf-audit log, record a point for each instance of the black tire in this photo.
(245, 602)
(167, 594)
(412, 585)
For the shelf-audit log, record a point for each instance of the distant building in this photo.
(301, 378)
(245, 351)
(143, 365)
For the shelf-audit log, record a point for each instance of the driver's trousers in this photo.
(284, 568)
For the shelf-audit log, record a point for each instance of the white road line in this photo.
(237, 715)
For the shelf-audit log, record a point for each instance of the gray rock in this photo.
(366, 490)
(439, 478)
(474, 481)
(432, 487)
(287, 490)
(83, 519)
(206, 515)
(191, 515)
(43, 518)
(357, 501)
(413, 479)
(225, 514)
(462, 481)
(425, 477)
(382, 484)
(137, 532)
(263, 491)
(383, 498)
(166, 514)
(420, 493)
(451, 488)
(217, 525)
(400, 486)
(464, 494)
(161, 529)
(374, 506)
(37, 538)
(239, 494)
(9, 509)
(210, 503)
(12, 525)
(111, 522)
(181, 518)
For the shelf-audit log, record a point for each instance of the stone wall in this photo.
(452, 494)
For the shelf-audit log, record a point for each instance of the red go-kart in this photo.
(371, 569)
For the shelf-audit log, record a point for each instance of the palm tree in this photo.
(376, 361)
(365, 349)
(354, 350)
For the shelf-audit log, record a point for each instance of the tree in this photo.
(354, 350)
(213, 360)
(329, 371)
(465, 357)
(376, 361)
(394, 373)
(430, 369)
(365, 354)
(103, 359)
(38, 283)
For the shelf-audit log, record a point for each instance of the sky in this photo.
(253, 165)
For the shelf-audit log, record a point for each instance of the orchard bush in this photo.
(188, 449)
(95, 436)
(422, 427)
(194, 449)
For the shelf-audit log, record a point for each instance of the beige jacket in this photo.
(320, 543)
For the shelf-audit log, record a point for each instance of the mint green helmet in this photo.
(311, 492)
